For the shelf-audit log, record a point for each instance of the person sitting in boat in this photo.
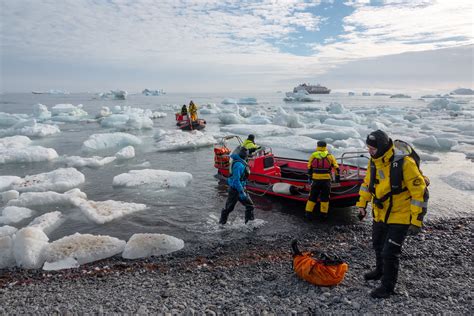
(193, 111)
(320, 164)
(249, 143)
(184, 110)
(239, 172)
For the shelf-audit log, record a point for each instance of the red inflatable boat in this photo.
(184, 123)
(288, 177)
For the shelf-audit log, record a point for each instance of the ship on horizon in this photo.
(312, 89)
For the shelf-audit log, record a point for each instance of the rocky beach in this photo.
(254, 275)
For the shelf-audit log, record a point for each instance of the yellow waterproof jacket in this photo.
(249, 144)
(409, 206)
(193, 108)
(322, 153)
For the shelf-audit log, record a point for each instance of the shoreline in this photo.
(254, 275)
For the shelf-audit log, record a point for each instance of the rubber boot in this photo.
(308, 216)
(294, 248)
(224, 216)
(381, 292)
(324, 210)
(249, 216)
(373, 275)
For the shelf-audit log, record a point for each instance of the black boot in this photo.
(308, 216)
(373, 275)
(224, 215)
(248, 216)
(323, 217)
(294, 248)
(381, 292)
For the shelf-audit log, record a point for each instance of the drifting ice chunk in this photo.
(6, 182)
(29, 199)
(110, 140)
(83, 248)
(27, 154)
(15, 142)
(460, 180)
(81, 162)
(67, 263)
(335, 108)
(15, 214)
(7, 119)
(146, 245)
(259, 130)
(28, 247)
(284, 118)
(183, 140)
(48, 222)
(6, 252)
(59, 180)
(161, 178)
(30, 128)
(106, 211)
(67, 112)
(7, 231)
(125, 153)
(301, 143)
(40, 112)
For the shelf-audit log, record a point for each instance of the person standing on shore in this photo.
(320, 164)
(397, 190)
(239, 172)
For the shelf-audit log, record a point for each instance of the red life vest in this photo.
(321, 165)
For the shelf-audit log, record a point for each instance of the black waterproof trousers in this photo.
(230, 205)
(387, 240)
(321, 189)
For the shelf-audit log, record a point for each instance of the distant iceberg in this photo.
(148, 92)
(463, 91)
(400, 95)
(52, 91)
(115, 94)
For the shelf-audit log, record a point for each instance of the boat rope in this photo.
(265, 192)
(344, 192)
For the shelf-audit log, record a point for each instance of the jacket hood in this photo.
(236, 157)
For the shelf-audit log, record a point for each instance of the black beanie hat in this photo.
(380, 140)
(321, 143)
(251, 137)
(243, 153)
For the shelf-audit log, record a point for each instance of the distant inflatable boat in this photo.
(184, 123)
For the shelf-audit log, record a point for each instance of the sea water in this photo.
(192, 213)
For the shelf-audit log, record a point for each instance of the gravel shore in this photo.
(253, 275)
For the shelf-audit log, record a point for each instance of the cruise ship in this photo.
(312, 89)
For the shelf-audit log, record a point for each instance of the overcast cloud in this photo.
(212, 45)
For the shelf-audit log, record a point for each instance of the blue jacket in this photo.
(237, 180)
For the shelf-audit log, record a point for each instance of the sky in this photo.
(235, 45)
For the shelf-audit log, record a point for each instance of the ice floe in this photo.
(28, 247)
(146, 245)
(68, 113)
(158, 178)
(30, 128)
(59, 180)
(97, 142)
(15, 214)
(178, 140)
(125, 153)
(48, 222)
(32, 199)
(83, 248)
(101, 212)
(81, 162)
(27, 154)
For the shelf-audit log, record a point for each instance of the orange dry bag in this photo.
(324, 271)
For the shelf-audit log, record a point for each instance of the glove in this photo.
(413, 230)
(362, 213)
(243, 196)
(338, 178)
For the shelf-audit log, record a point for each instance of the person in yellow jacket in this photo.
(397, 208)
(320, 164)
(249, 143)
(193, 111)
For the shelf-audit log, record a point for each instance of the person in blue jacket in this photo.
(239, 172)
